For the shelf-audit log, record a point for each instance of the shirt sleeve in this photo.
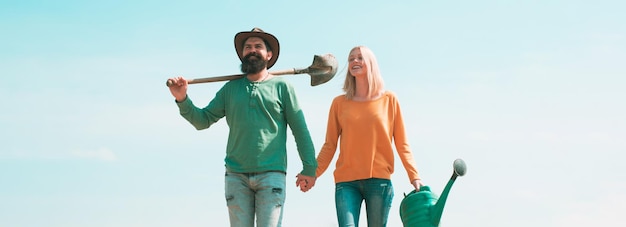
(202, 118)
(297, 124)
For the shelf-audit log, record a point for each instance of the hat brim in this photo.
(271, 40)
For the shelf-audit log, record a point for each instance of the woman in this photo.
(369, 122)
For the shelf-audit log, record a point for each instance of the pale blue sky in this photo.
(529, 93)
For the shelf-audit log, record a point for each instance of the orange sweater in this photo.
(367, 130)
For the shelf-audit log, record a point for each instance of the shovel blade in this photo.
(323, 69)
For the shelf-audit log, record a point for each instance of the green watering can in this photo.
(423, 208)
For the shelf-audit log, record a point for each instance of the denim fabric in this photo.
(255, 194)
(378, 195)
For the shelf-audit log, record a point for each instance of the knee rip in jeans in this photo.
(277, 191)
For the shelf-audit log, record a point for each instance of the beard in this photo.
(249, 65)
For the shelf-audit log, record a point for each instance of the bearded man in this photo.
(258, 108)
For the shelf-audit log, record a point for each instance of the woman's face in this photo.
(356, 64)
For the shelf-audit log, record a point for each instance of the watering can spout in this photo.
(422, 208)
(437, 209)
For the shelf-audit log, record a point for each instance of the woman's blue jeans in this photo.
(255, 194)
(378, 196)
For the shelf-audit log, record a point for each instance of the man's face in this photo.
(255, 55)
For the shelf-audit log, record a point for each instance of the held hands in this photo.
(417, 184)
(178, 88)
(305, 182)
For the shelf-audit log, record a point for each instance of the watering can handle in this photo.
(422, 188)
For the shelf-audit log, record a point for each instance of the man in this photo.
(258, 108)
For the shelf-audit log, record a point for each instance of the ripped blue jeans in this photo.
(378, 196)
(255, 194)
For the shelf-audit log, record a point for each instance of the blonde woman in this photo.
(369, 122)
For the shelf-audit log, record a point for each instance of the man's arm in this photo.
(297, 124)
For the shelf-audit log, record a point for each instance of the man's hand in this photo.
(178, 88)
(305, 182)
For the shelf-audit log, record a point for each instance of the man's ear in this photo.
(269, 55)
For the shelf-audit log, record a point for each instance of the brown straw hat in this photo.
(270, 39)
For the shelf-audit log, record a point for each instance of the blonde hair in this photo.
(375, 81)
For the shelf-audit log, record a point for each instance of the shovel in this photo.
(323, 69)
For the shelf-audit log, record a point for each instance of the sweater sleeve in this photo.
(402, 145)
(333, 131)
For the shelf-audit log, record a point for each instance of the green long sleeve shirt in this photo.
(257, 114)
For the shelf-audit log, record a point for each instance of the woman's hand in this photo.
(417, 184)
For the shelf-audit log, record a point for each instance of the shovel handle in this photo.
(237, 76)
